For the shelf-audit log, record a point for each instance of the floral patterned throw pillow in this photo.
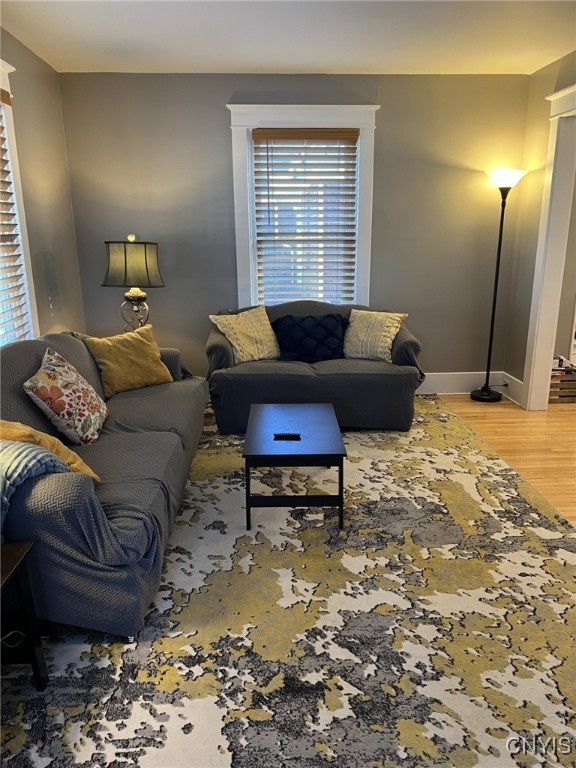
(69, 401)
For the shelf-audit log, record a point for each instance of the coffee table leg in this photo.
(247, 484)
(341, 494)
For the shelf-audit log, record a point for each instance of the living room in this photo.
(137, 142)
(152, 154)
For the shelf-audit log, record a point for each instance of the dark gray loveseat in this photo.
(99, 547)
(366, 394)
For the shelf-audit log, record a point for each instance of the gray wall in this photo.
(151, 154)
(436, 215)
(43, 165)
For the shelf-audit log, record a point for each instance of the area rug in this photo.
(437, 629)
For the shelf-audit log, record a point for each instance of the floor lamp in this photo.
(504, 180)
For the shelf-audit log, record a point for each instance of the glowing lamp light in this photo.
(506, 177)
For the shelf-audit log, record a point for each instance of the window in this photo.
(17, 318)
(303, 202)
(305, 183)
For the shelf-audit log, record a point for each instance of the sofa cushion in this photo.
(173, 407)
(310, 338)
(125, 457)
(128, 361)
(122, 459)
(250, 334)
(69, 401)
(369, 394)
(370, 335)
(264, 381)
(350, 367)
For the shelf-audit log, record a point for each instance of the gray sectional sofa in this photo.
(366, 394)
(99, 547)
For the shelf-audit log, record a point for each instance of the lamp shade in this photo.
(132, 264)
(506, 177)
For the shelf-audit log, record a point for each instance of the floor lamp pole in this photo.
(485, 394)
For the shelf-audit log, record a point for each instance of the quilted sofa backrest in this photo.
(303, 308)
(21, 359)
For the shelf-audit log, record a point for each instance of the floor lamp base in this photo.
(486, 395)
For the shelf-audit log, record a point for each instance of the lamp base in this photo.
(486, 395)
(135, 313)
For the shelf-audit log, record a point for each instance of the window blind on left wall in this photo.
(15, 315)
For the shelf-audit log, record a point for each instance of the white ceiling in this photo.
(295, 36)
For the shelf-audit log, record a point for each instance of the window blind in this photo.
(15, 320)
(305, 206)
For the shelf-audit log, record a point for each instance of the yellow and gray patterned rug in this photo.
(437, 629)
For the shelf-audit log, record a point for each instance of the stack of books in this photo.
(563, 381)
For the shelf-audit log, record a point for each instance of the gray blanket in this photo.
(18, 462)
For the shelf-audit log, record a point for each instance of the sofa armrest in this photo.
(218, 351)
(172, 359)
(62, 513)
(406, 349)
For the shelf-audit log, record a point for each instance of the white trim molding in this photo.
(557, 201)
(562, 103)
(5, 71)
(454, 383)
(245, 117)
(457, 382)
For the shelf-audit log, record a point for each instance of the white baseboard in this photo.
(460, 383)
(463, 383)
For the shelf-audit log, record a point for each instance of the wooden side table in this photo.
(15, 578)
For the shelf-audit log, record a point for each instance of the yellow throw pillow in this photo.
(250, 334)
(128, 361)
(22, 433)
(370, 335)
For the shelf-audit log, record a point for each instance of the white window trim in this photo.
(244, 118)
(5, 71)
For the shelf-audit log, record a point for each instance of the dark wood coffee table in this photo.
(271, 441)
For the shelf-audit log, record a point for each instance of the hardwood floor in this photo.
(540, 445)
